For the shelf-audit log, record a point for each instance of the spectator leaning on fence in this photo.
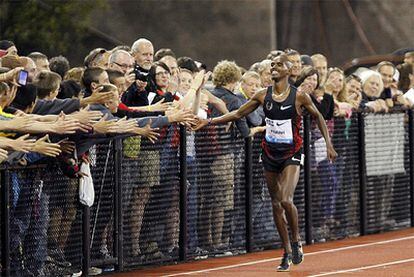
(390, 78)
(323, 101)
(406, 84)
(353, 90)
(372, 86)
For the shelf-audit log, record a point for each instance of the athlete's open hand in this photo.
(200, 123)
(331, 153)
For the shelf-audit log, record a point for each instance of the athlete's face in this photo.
(280, 68)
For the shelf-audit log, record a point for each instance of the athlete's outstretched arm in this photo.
(244, 110)
(306, 101)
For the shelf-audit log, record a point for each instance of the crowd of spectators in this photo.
(60, 112)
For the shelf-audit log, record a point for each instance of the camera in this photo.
(140, 75)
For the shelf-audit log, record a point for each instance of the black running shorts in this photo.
(277, 165)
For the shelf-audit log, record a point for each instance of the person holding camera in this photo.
(137, 93)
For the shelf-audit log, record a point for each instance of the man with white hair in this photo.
(143, 53)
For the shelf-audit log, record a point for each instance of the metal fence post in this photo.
(183, 238)
(86, 240)
(118, 209)
(307, 180)
(5, 221)
(362, 174)
(248, 169)
(411, 145)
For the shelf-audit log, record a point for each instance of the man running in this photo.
(282, 149)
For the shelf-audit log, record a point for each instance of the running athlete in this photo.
(282, 149)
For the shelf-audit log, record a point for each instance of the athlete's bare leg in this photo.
(281, 189)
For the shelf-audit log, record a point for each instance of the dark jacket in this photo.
(255, 118)
(44, 107)
(326, 106)
(232, 103)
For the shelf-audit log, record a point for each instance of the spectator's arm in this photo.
(216, 102)
(3, 155)
(11, 75)
(23, 143)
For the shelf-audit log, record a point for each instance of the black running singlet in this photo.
(282, 139)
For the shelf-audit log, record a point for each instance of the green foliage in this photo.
(50, 26)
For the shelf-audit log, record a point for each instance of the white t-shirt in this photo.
(410, 95)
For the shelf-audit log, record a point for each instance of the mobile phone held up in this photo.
(22, 78)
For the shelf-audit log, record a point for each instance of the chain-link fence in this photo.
(136, 217)
(335, 186)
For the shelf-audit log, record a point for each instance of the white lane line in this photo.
(277, 259)
(362, 268)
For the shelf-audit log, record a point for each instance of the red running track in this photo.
(387, 254)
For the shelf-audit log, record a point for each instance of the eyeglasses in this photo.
(124, 65)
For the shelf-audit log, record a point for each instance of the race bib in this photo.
(279, 131)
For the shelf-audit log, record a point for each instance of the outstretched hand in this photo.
(200, 79)
(182, 116)
(98, 97)
(23, 144)
(200, 123)
(45, 147)
(86, 116)
(148, 132)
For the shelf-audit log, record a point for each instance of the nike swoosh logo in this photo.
(280, 124)
(296, 160)
(285, 107)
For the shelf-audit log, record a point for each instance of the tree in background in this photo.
(49, 26)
